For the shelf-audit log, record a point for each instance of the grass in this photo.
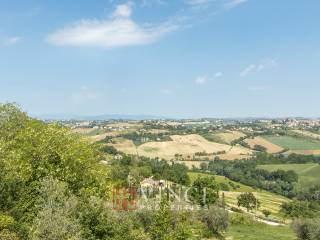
(294, 143)
(268, 200)
(96, 131)
(259, 231)
(150, 149)
(223, 137)
(221, 179)
(309, 173)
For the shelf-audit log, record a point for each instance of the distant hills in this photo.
(98, 117)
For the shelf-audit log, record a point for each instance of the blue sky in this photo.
(182, 58)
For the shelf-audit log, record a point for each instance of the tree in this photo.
(216, 219)
(7, 224)
(31, 150)
(203, 166)
(161, 227)
(307, 229)
(248, 201)
(260, 148)
(7, 235)
(296, 209)
(266, 212)
(204, 191)
(56, 217)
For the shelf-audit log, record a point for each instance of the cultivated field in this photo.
(271, 148)
(124, 145)
(268, 200)
(309, 173)
(307, 133)
(83, 131)
(305, 152)
(127, 125)
(190, 164)
(224, 137)
(294, 143)
(188, 145)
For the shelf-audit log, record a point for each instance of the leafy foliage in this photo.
(204, 191)
(248, 201)
(307, 229)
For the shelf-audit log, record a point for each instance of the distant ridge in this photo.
(99, 117)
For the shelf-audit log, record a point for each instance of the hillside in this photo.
(308, 173)
(270, 147)
(186, 145)
(268, 200)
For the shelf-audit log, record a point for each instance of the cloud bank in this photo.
(119, 30)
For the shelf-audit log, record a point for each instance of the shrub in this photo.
(307, 229)
(238, 219)
(6, 221)
(266, 213)
(237, 210)
(216, 219)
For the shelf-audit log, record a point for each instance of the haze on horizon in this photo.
(184, 58)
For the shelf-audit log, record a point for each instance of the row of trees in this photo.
(246, 172)
(143, 167)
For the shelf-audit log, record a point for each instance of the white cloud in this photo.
(201, 80)
(9, 41)
(123, 10)
(234, 3)
(255, 68)
(119, 30)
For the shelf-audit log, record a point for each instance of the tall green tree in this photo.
(248, 201)
(204, 191)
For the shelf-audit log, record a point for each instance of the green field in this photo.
(309, 173)
(268, 200)
(96, 131)
(294, 143)
(221, 179)
(259, 231)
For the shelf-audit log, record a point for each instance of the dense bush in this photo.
(216, 219)
(307, 229)
(145, 167)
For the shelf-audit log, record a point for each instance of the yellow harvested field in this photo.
(190, 164)
(308, 134)
(230, 136)
(271, 148)
(102, 136)
(82, 130)
(188, 145)
(134, 125)
(125, 145)
(305, 152)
